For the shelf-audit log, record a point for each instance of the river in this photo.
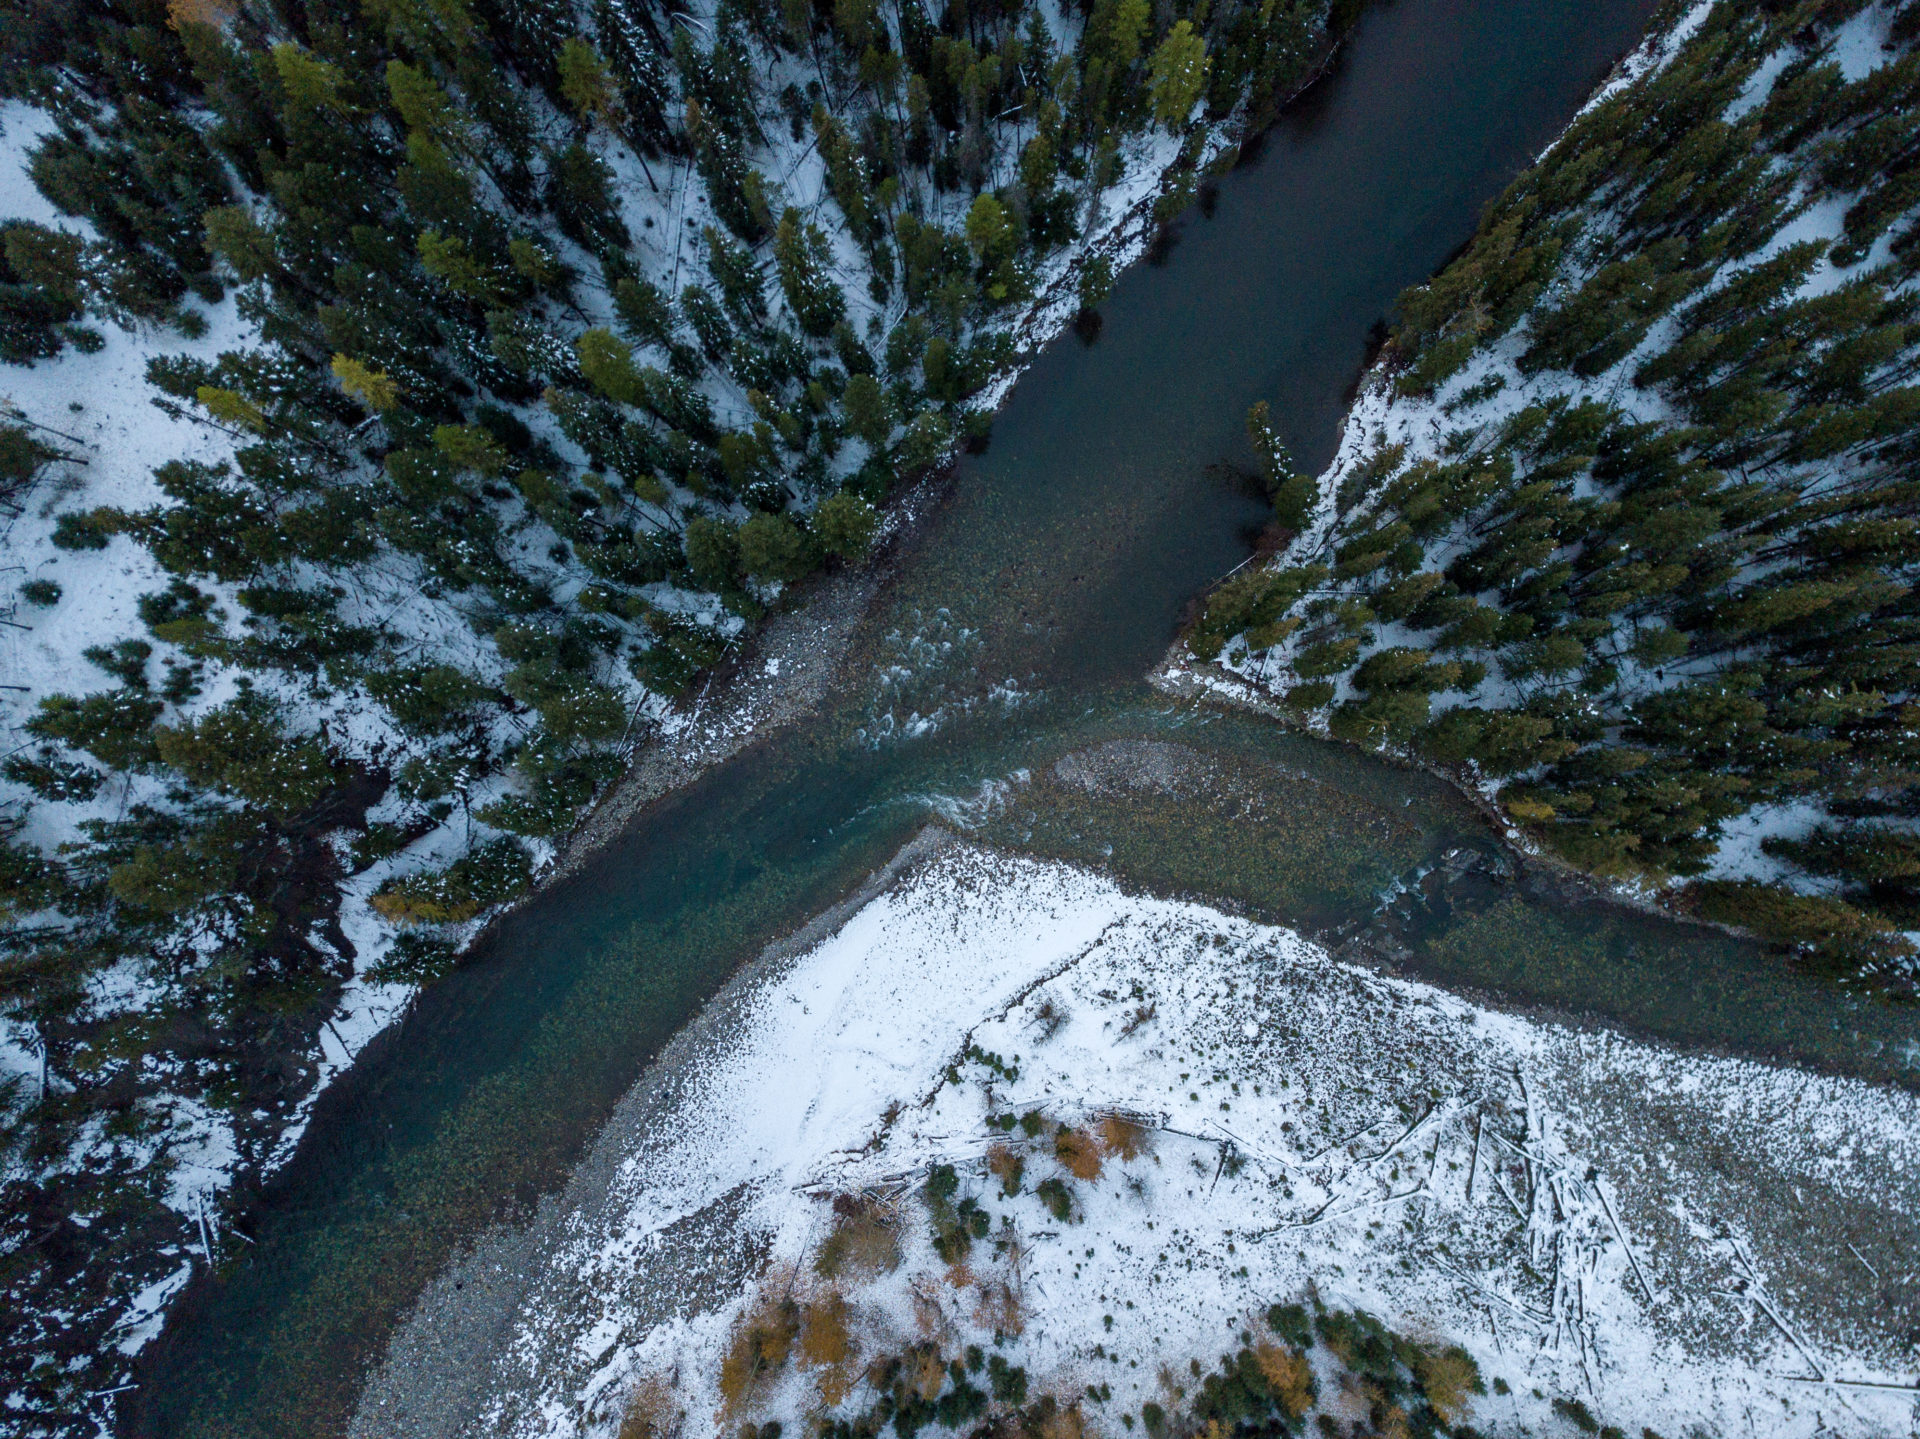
(1016, 630)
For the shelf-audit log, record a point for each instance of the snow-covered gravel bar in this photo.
(1673, 1239)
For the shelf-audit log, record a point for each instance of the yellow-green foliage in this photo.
(1288, 1375)
(863, 1242)
(492, 874)
(1450, 1379)
(761, 1344)
(1121, 1137)
(373, 388)
(826, 1344)
(230, 407)
(1078, 1153)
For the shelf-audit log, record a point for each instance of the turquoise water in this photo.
(1051, 577)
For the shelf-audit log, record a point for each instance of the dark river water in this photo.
(1022, 617)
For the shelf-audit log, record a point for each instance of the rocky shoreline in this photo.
(434, 1380)
(610, 1276)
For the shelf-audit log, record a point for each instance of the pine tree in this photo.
(801, 252)
(1178, 72)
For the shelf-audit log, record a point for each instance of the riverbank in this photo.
(1181, 676)
(1587, 1215)
(788, 664)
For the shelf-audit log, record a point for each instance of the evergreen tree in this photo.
(801, 252)
(1179, 74)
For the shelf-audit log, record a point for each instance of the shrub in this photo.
(492, 874)
(173, 878)
(762, 1341)
(427, 699)
(116, 728)
(681, 649)
(926, 1370)
(1291, 1323)
(863, 1241)
(713, 553)
(1449, 1378)
(999, 1310)
(1251, 1385)
(1068, 1422)
(1288, 1375)
(955, 1226)
(1008, 1381)
(1360, 1342)
(845, 525)
(1452, 736)
(1577, 1414)
(1400, 598)
(1829, 930)
(1006, 1166)
(583, 709)
(1394, 668)
(1321, 660)
(1500, 741)
(83, 530)
(773, 547)
(416, 959)
(41, 592)
(1057, 1197)
(1121, 1136)
(1391, 714)
(1254, 601)
(21, 457)
(1546, 657)
(1096, 281)
(241, 749)
(827, 1344)
(51, 777)
(1078, 1153)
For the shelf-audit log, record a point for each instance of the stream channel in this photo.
(1016, 629)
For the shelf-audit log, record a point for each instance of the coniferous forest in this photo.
(551, 342)
(1624, 531)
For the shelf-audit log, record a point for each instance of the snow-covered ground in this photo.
(1675, 1240)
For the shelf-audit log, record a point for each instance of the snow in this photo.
(1858, 46)
(144, 1315)
(21, 127)
(1741, 857)
(1648, 56)
(1399, 1146)
(96, 409)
